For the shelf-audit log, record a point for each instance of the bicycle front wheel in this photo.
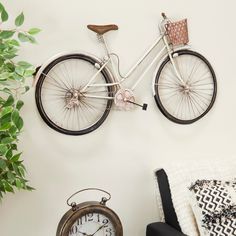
(64, 100)
(186, 101)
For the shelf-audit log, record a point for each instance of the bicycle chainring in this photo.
(124, 99)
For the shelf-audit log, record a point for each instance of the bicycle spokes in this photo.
(63, 102)
(187, 102)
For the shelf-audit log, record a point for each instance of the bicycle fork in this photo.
(173, 63)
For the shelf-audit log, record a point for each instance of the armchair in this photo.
(171, 226)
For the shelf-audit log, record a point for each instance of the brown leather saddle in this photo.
(102, 29)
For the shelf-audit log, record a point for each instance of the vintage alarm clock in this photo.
(90, 218)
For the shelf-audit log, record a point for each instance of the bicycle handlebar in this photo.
(164, 15)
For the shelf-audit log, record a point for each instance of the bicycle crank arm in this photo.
(144, 106)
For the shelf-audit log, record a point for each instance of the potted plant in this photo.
(13, 75)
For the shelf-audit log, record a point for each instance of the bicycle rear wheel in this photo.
(62, 101)
(185, 103)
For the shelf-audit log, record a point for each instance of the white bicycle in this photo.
(75, 92)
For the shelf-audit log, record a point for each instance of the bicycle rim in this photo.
(187, 102)
(60, 98)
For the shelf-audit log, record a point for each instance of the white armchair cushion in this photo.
(181, 175)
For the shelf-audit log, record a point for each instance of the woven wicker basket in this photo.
(177, 32)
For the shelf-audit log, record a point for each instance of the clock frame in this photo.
(77, 211)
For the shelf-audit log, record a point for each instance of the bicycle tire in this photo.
(200, 100)
(45, 77)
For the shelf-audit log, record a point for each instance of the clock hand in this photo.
(98, 229)
(83, 233)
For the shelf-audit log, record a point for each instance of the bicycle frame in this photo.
(109, 64)
(118, 80)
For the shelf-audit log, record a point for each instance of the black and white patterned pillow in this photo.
(214, 206)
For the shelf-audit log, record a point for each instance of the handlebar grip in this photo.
(164, 15)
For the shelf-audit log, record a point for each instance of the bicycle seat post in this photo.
(102, 39)
(101, 30)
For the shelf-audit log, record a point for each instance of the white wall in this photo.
(121, 155)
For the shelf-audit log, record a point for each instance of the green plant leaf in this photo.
(14, 43)
(29, 188)
(17, 77)
(6, 34)
(6, 110)
(2, 101)
(22, 171)
(15, 168)
(7, 140)
(12, 170)
(9, 55)
(1, 61)
(13, 146)
(15, 116)
(4, 15)
(19, 105)
(6, 90)
(3, 164)
(31, 39)
(29, 73)
(24, 64)
(2, 187)
(10, 176)
(23, 37)
(12, 50)
(19, 19)
(20, 123)
(3, 149)
(10, 67)
(9, 102)
(4, 76)
(19, 70)
(16, 157)
(22, 166)
(1, 7)
(4, 46)
(8, 187)
(6, 119)
(5, 126)
(13, 131)
(18, 184)
(9, 154)
(34, 31)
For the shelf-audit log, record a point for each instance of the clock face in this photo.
(92, 224)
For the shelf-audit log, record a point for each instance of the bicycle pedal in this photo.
(144, 107)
